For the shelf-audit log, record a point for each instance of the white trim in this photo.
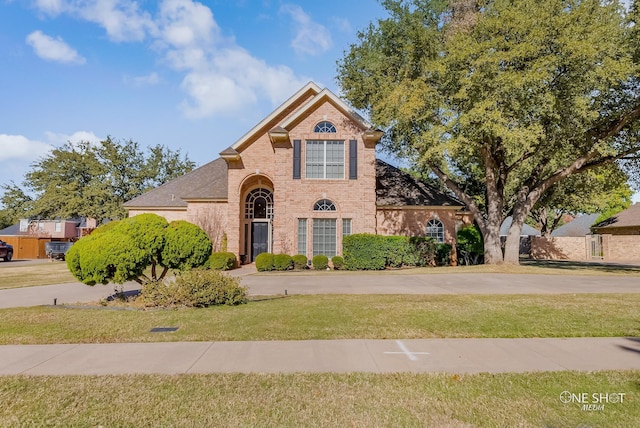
(325, 93)
(284, 106)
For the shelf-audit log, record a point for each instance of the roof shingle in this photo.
(206, 182)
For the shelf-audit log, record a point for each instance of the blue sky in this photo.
(190, 75)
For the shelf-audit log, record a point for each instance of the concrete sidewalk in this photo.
(324, 356)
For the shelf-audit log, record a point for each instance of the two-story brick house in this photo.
(300, 180)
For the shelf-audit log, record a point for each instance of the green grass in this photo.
(16, 274)
(337, 317)
(319, 400)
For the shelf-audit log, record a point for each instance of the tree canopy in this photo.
(91, 180)
(122, 250)
(501, 99)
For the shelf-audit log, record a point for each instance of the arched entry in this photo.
(258, 212)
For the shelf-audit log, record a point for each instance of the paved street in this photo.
(352, 283)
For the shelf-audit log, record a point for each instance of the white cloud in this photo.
(234, 80)
(20, 148)
(219, 76)
(51, 49)
(51, 7)
(58, 139)
(122, 19)
(150, 79)
(311, 38)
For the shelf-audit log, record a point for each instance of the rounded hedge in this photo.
(337, 262)
(222, 261)
(265, 262)
(282, 262)
(300, 261)
(320, 262)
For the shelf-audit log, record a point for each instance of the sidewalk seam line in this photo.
(199, 357)
(51, 358)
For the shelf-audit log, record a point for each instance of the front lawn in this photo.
(27, 274)
(320, 400)
(336, 317)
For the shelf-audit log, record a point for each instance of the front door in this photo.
(259, 238)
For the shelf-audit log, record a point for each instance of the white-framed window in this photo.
(302, 236)
(324, 205)
(58, 226)
(346, 227)
(435, 230)
(325, 127)
(324, 159)
(324, 236)
(259, 204)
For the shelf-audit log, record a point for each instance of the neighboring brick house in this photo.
(299, 181)
(626, 222)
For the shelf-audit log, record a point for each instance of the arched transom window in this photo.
(325, 127)
(435, 230)
(259, 204)
(324, 205)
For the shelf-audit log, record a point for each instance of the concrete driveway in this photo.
(351, 283)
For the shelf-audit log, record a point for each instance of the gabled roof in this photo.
(580, 226)
(13, 230)
(208, 182)
(326, 95)
(627, 218)
(526, 229)
(396, 188)
(310, 89)
(314, 96)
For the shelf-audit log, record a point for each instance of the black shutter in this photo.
(297, 158)
(353, 159)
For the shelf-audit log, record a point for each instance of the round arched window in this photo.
(435, 230)
(325, 127)
(324, 205)
(259, 204)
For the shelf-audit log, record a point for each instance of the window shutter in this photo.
(297, 158)
(353, 159)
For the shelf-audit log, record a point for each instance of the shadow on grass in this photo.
(267, 298)
(577, 266)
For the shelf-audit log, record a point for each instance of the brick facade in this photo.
(264, 159)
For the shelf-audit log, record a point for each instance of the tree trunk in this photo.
(512, 246)
(492, 245)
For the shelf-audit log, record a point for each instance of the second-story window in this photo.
(325, 127)
(324, 159)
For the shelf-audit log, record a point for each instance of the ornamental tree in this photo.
(501, 99)
(122, 250)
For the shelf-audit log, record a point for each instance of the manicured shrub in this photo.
(363, 251)
(337, 262)
(122, 251)
(443, 254)
(222, 261)
(196, 288)
(265, 262)
(300, 262)
(375, 252)
(282, 262)
(320, 262)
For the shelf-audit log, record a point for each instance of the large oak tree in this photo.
(91, 180)
(501, 99)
